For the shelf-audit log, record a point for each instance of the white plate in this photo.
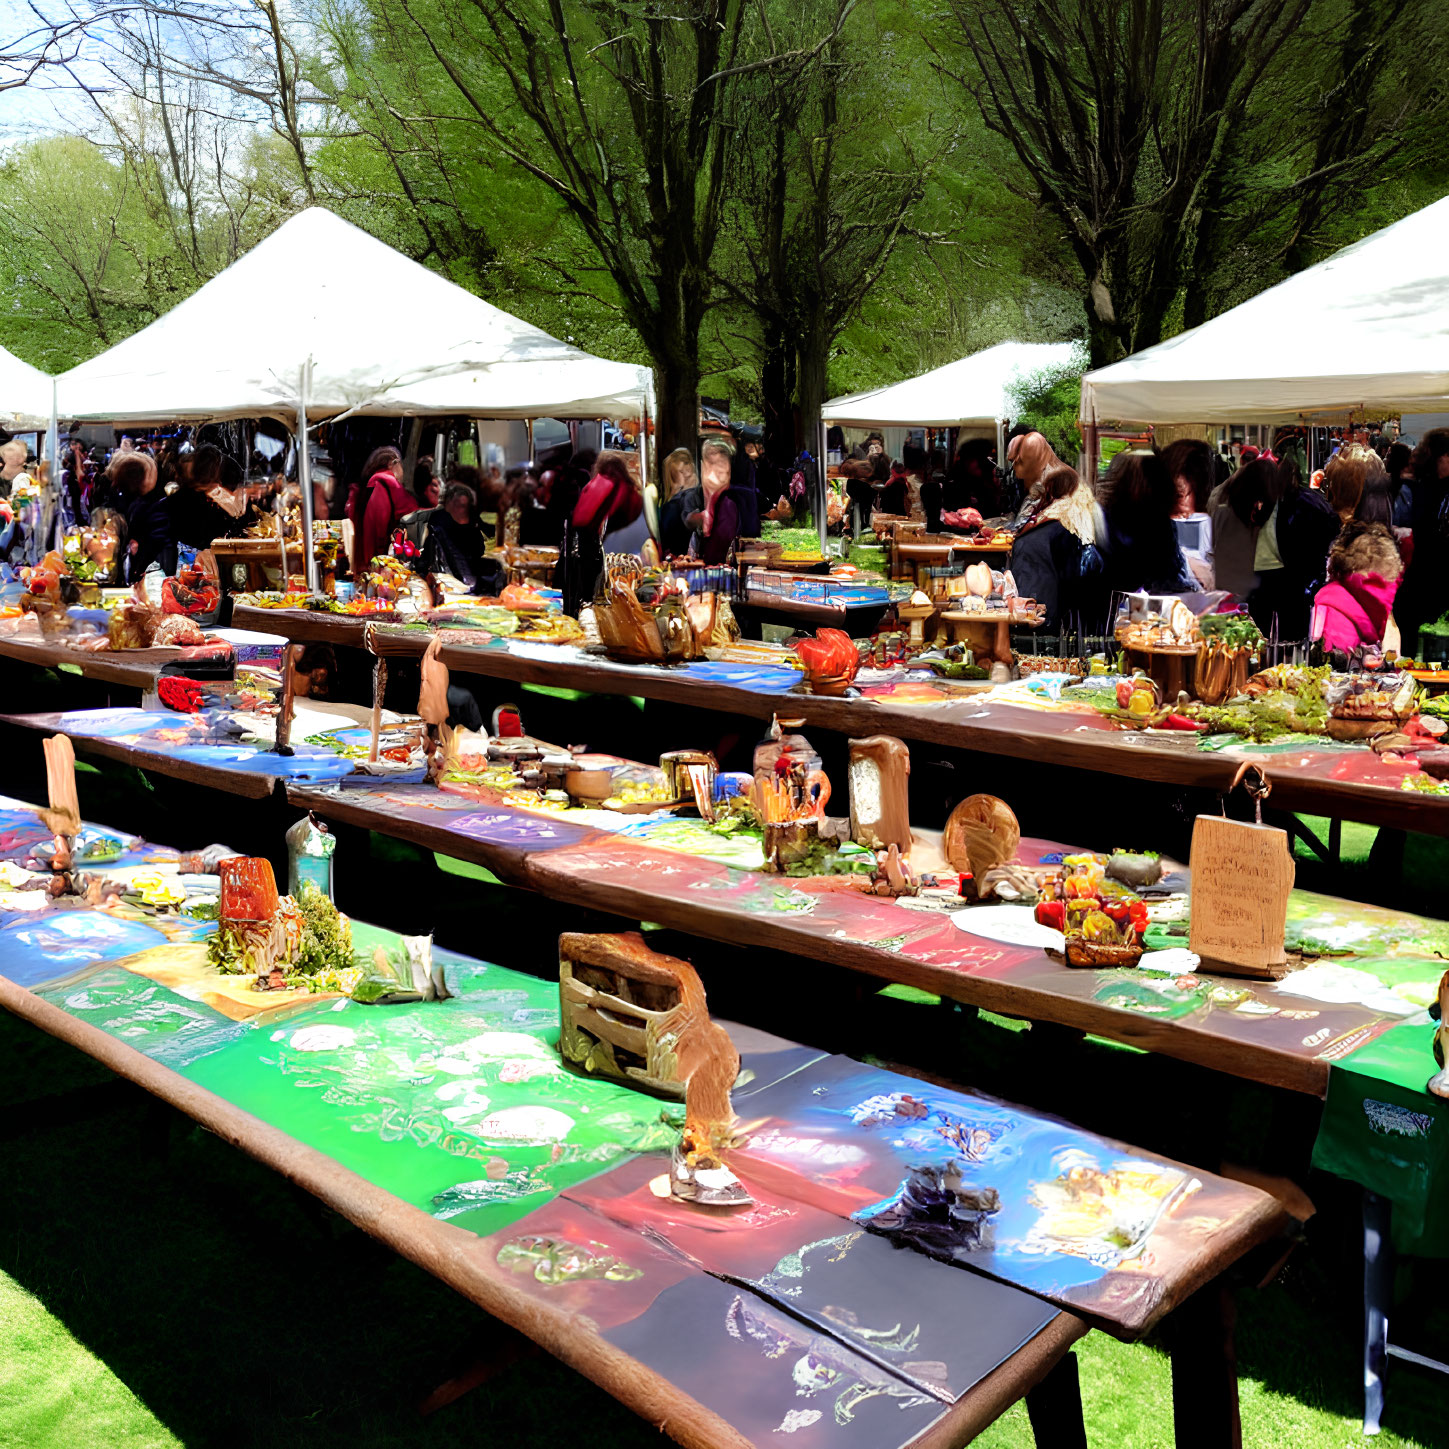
(1010, 925)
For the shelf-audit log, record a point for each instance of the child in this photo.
(1353, 608)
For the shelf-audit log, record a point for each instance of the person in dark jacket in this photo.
(1399, 464)
(1139, 548)
(455, 544)
(1047, 554)
(203, 508)
(148, 516)
(1290, 556)
(1424, 592)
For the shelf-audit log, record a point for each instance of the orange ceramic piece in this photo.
(248, 889)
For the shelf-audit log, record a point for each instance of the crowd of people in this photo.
(1346, 555)
(155, 494)
(1337, 556)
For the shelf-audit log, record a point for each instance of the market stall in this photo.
(1360, 335)
(26, 395)
(354, 328)
(973, 392)
(562, 1200)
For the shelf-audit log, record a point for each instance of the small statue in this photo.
(1439, 1082)
(63, 818)
(433, 707)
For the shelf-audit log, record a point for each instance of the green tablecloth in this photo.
(1382, 1130)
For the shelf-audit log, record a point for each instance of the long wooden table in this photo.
(249, 785)
(1343, 783)
(691, 1348)
(136, 669)
(1261, 1031)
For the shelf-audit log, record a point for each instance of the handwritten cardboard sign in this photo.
(1241, 877)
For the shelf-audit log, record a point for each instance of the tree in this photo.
(622, 110)
(833, 153)
(77, 252)
(1129, 117)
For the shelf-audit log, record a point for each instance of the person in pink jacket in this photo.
(1353, 608)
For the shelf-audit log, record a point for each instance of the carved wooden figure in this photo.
(433, 708)
(1439, 1082)
(63, 818)
(880, 772)
(644, 1019)
(379, 688)
(289, 698)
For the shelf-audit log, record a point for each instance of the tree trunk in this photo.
(776, 389)
(677, 400)
(814, 353)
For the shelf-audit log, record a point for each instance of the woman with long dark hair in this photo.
(1046, 555)
(1139, 547)
(203, 508)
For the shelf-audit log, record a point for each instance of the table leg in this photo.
(1205, 1370)
(495, 1348)
(1054, 1407)
(1378, 1289)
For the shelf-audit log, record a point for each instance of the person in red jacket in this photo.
(382, 503)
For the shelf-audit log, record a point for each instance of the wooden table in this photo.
(1250, 1032)
(858, 620)
(134, 668)
(1255, 1030)
(1227, 1220)
(233, 782)
(1342, 784)
(303, 626)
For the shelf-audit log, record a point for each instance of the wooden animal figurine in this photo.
(433, 708)
(1439, 1082)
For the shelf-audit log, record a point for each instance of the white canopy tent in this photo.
(320, 320)
(384, 335)
(1364, 333)
(25, 395)
(973, 392)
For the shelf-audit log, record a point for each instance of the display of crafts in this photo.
(650, 616)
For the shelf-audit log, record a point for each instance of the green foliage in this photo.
(1049, 400)
(326, 933)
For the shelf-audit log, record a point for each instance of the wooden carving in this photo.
(642, 1017)
(981, 834)
(289, 698)
(63, 818)
(1439, 1083)
(614, 997)
(433, 707)
(1241, 878)
(880, 770)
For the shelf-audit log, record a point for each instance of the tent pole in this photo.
(643, 445)
(50, 499)
(822, 489)
(304, 480)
